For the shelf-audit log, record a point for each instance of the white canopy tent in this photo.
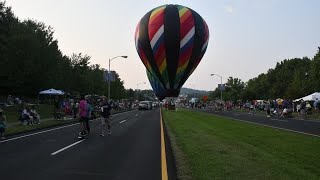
(311, 97)
(52, 92)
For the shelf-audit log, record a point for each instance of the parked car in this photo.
(155, 104)
(145, 105)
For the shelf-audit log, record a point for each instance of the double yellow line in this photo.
(164, 170)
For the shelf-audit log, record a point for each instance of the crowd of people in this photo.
(70, 107)
(278, 107)
(84, 109)
(88, 107)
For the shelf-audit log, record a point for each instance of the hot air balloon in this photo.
(158, 89)
(171, 41)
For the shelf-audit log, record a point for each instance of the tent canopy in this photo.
(52, 92)
(310, 97)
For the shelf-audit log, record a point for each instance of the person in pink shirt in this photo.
(84, 120)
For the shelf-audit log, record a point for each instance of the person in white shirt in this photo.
(25, 116)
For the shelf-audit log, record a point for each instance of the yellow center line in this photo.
(163, 152)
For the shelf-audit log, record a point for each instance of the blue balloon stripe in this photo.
(186, 46)
(156, 46)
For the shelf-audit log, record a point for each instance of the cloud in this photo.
(229, 9)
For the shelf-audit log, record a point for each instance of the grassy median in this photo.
(212, 147)
(23, 128)
(13, 112)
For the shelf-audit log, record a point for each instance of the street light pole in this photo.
(109, 82)
(110, 73)
(220, 85)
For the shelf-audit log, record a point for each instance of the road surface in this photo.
(133, 151)
(308, 127)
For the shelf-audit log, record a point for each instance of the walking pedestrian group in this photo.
(86, 112)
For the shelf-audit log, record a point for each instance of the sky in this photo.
(247, 37)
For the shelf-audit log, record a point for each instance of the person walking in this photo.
(303, 108)
(3, 125)
(89, 115)
(105, 117)
(75, 107)
(84, 120)
(267, 107)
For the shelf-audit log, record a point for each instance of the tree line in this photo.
(31, 61)
(290, 79)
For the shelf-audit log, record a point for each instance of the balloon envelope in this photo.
(171, 41)
(158, 90)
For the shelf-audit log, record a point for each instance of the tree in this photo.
(314, 79)
(31, 61)
(234, 87)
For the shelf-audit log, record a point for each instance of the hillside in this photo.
(190, 91)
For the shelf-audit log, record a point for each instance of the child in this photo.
(35, 115)
(2, 124)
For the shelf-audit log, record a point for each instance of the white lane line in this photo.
(314, 135)
(123, 121)
(60, 150)
(278, 120)
(61, 127)
(124, 113)
(27, 135)
(136, 115)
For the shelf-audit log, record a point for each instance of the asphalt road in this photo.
(133, 151)
(308, 127)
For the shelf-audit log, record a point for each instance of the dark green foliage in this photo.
(30, 61)
(290, 79)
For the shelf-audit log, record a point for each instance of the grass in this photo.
(17, 129)
(220, 148)
(13, 112)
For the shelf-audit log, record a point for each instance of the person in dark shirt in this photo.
(3, 125)
(105, 116)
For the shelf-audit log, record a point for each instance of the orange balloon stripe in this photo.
(156, 12)
(186, 24)
(184, 59)
(161, 58)
(163, 66)
(158, 55)
(155, 23)
(182, 68)
(185, 16)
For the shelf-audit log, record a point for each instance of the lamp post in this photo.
(109, 74)
(220, 85)
(138, 88)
